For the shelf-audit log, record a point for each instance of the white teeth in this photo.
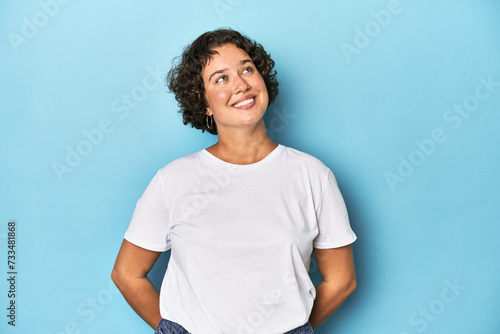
(244, 103)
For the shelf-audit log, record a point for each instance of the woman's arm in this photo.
(132, 265)
(336, 267)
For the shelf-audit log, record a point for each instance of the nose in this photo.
(240, 85)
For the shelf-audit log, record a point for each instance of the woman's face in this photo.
(234, 90)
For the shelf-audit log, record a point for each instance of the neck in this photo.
(243, 147)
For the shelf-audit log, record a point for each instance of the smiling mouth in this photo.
(244, 102)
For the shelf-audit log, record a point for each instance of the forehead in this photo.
(228, 55)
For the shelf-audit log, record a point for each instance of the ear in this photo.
(208, 112)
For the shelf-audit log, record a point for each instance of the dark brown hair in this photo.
(186, 82)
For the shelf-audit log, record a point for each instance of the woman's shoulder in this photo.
(180, 165)
(301, 158)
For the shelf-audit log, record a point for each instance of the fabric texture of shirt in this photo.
(241, 239)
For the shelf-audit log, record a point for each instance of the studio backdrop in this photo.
(399, 98)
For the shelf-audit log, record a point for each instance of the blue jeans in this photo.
(169, 327)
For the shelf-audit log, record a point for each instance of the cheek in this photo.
(264, 89)
(215, 98)
(221, 96)
(224, 95)
(261, 84)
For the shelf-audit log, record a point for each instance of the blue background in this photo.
(432, 223)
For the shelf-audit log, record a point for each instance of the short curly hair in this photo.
(186, 82)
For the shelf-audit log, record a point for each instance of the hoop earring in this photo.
(211, 125)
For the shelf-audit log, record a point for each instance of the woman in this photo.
(241, 217)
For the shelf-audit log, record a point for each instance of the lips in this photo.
(246, 101)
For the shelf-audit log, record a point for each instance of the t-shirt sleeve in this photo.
(333, 221)
(149, 226)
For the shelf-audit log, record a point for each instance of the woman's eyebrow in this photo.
(243, 62)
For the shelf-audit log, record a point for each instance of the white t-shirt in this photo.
(241, 239)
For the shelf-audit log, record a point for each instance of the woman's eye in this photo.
(221, 78)
(248, 69)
